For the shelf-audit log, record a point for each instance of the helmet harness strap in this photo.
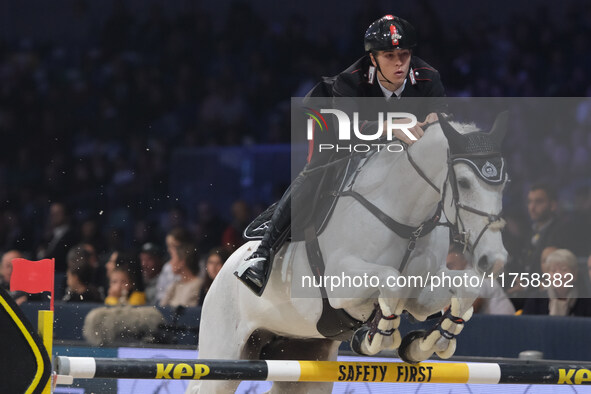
(374, 54)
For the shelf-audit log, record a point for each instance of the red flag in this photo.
(32, 276)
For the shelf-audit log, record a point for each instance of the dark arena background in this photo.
(123, 121)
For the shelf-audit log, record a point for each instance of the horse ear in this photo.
(453, 137)
(499, 128)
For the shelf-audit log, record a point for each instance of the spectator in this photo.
(60, 236)
(185, 291)
(562, 297)
(492, 299)
(99, 271)
(6, 273)
(542, 206)
(174, 239)
(546, 230)
(125, 284)
(232, 236)
(110, 265)
(213, 264)
(79, 276)
(151, 262)
(544, 258)
(6, 267)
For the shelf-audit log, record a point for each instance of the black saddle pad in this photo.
(323, 188)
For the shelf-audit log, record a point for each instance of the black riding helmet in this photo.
(390, 32)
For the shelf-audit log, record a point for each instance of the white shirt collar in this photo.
(389, 93)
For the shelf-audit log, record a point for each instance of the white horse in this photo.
(444, 168)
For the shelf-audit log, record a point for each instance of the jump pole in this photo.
(323, 371)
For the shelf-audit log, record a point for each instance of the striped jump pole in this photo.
(323, 371)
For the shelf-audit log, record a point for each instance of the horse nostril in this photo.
(483, 265)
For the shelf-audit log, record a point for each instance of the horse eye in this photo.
(464, 184)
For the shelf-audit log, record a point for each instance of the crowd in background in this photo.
(88, 131)
(175, 276)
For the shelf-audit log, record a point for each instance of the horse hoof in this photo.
(447, 353)
(396, 339)
(358, 338)
(428, 342)
(404, 349)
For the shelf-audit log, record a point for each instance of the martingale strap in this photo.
(402, 230)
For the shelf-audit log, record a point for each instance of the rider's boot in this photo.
(254, 272)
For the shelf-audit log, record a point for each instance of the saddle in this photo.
(325, 184)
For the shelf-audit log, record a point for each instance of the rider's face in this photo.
(394, 65)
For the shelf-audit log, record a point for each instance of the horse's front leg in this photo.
(420, 345)
(380, 333)
(368, 280)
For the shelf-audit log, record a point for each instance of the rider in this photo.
(388, 69)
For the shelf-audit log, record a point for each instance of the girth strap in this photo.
(335, 324)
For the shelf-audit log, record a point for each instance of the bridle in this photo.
(457, 228)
